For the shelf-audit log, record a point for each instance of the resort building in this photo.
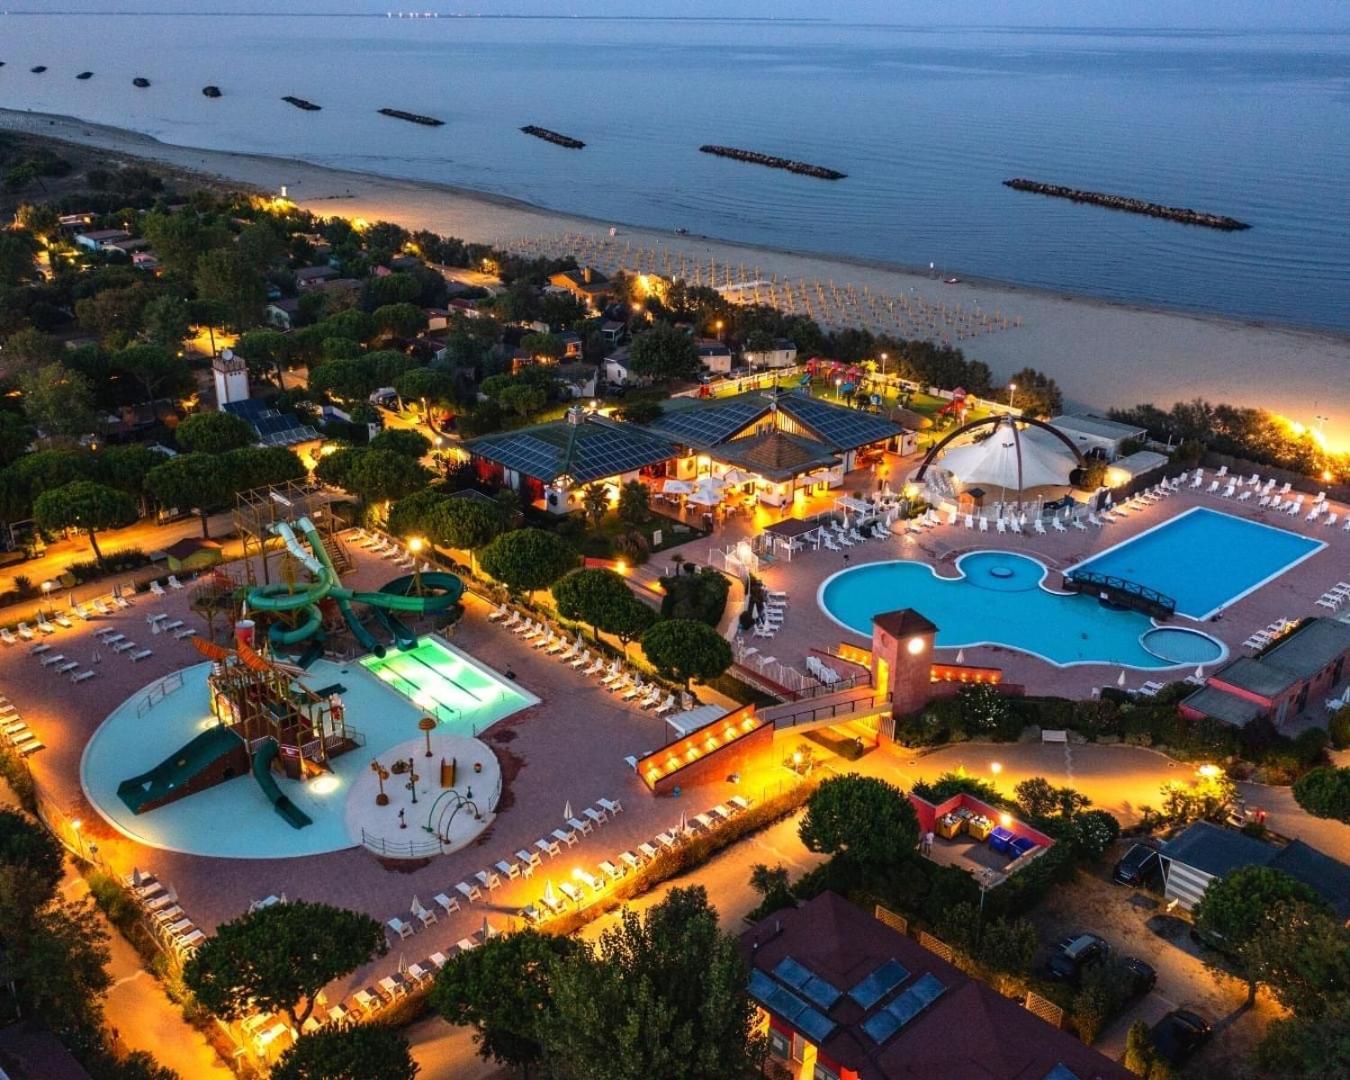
(586, 284)
(1278, 684)
(1096, 436)
(1203, 852)
(774, 447)
(779, 446)
(843, 996)
(714, 356)
(550, 464)
(783, 354)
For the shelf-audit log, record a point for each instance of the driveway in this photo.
(1137, 924)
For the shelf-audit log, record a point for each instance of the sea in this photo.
(926, 122)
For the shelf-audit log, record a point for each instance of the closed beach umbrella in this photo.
(487, 929)
(960, 656)
(567, 809)
(684, 827)
(550, 897)
(1200, 671)
(1121, 680)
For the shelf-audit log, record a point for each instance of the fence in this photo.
(413, 848)
(857, 708)
(159, 691)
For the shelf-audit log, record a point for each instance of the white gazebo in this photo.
(1009, 458)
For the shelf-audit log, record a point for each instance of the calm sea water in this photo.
(927, 123)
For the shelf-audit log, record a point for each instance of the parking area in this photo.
(1137, 923)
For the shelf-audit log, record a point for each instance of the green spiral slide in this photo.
(395, 596)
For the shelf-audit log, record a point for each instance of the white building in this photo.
(1097, 436)
(783, 354)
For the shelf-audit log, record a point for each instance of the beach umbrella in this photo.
(567, 809)
(402, 965)
(487, 929)
(1121, 680)
(684, 825)
(1024, 517)
(735, 476)
(135, 877)
(550, 897)
(1200, 671)
(960, 656)
(676, 487)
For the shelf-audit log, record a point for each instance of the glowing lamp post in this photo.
(415, 545)
(427, 725)
(381, 774)
(1012, 395)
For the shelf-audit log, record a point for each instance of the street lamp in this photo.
(415, 545)
(75, 827)
(427, 725)
(884, 358)
(1012, 394)
(718, 326)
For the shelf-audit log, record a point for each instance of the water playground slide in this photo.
(395, 596)
(194, 766)
(262, 772)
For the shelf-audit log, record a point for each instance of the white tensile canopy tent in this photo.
(994, 461)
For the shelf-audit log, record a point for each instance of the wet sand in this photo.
(1102, 354)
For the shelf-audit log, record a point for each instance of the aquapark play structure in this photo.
(299, 617)
(268, 719)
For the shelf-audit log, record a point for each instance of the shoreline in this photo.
(1101, 352)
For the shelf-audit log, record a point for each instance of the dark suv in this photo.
(1076, 953)
(1139, 867)
(1178, 1035)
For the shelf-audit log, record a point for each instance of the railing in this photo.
(867, 705)
(159, 692)
(1128, 592)
(412, 848)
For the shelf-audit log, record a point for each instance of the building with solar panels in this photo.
(773, 445)
(843, 996)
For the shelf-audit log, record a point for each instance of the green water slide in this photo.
(438, 591)
(179, 770)
(262, 772)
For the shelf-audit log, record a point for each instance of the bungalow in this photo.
(437, 318)
(714, 356)
(282, 313)
(585, 283)
(468, 308)
(783, 354)
(192, 554)
(309, 276)
(572, 345)
(95, 241)
(1203, 852)
(611, 330)
(617, 370)
(144, 260)
(1277, 684)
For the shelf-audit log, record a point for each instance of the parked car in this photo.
(1178, 1035)
(1141, 975)
(1139, 868)
(1076, 953)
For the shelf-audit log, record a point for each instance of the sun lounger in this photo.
(647, 851)
(52, 658)
(488, 880)
(547, 846)
(68, 666)
(120, 601)
(610, 870)
(508, 870)
(446, 903)
(667, 840)
(368, 1000)
(740, 802)
(590, 880)
(704, 822)
(157, 589)
(80, 676)
(469, 891)
(563, 837)
(595, 816)
(38, 650)
(141, 654)
(25, 631)
(44, 625)
(100, 607)
(501, 613)
(422, 914)
(399, 927)
(124, 646)
(421, 971)
(8, 637)
(571, 892)
(61, 620)
(170, 627)
(629, 860)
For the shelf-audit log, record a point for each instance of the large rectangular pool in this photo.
(450, 685)
(1205, 560)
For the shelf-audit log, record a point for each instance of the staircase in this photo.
(338, 554)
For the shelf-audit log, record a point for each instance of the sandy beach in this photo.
(1102, 354)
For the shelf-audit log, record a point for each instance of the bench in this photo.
(1048, 735)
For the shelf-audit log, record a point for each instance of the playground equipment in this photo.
(415, 594)
(266, 717)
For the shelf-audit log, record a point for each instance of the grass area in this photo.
(602, 541)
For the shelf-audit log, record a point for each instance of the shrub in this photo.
(1325, 793)
(701, 596)
(1340, 729)
(1100, 996)
(957, 783)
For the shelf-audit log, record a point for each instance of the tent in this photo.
(1009, 459)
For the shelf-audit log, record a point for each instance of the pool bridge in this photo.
(1121, 592)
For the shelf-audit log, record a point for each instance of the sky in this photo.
(1223, 14)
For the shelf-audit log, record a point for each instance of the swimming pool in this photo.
(1204, 559)
(999, 599)
(461, 693)
(234, 819)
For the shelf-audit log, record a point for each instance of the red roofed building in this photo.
(845, 997)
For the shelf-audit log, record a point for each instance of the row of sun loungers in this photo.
(165, 918)
(1334, 597)
(771, 615)
(1262, 638)
(16, 730)
(585, 883)
(613, 675)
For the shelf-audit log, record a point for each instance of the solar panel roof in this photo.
(708, 425)
(585, 452)
(800, 977)
(842, 428)
(779, 999)
(905, 1008)
(868, 991)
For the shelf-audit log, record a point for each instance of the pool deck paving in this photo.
(1291, 595)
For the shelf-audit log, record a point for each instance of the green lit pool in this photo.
(450, 685)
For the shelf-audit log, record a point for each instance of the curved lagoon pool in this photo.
(999, 599)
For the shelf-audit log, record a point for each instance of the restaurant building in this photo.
(843, 996)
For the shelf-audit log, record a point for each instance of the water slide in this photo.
(262, 772)
(194, 766)
(398, 595)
